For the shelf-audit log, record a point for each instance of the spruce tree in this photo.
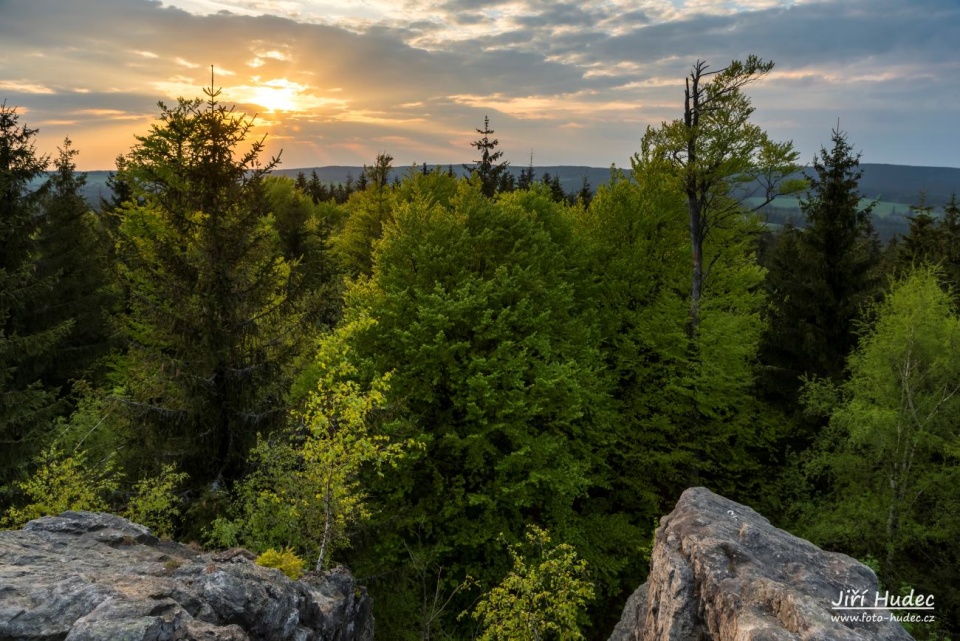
(527, 176)
(488, 168)
(26, 405)
(820, 277)
(73, 251)
(214, 319)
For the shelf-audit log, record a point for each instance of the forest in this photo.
(481, 393)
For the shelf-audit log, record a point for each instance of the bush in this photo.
(63, 483)
(284, 560)
(155, 504)
(539, 599)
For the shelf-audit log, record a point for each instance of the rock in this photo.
(82, 576)
(720, 572)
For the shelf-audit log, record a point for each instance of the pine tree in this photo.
(213, 320)
(26, 405)
(487, 168)
(585, 195)
(316, 189)
(120, 192)
(301, 182)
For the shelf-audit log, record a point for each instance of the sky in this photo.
(568, 82)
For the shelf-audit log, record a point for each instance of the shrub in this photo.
(284, 560)
(155, 503)
(63, 483)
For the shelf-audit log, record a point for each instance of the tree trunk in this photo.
(328, 514)
(691, 119)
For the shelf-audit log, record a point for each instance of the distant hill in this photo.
(895, 186)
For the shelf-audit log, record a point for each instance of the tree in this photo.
(890, 456)
(820, 278)
(368, 211)
(685, 408)
(304, 238)
(585, 195)
(527, 176)
(26, 405)
(495, 368)
(213, 322)
(539, 599)
(932, 241)
(305, 490)
(718, 155)
(487, 168)
(73, 251)
(120, 192)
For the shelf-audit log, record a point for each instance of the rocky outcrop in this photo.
(82, 576)
(720, 572)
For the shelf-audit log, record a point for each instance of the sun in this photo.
(277, 95)
(282, 96)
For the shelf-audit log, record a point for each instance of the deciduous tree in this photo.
(891, 456)
(717, 151)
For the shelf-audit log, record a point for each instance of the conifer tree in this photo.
(73, 250)
(527, 176)
(26, 405)
(213, 319)
(820, 277)
(932, 241)
(316, 189)
(489, 169)
(120, 192)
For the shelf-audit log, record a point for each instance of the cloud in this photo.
(575, 81)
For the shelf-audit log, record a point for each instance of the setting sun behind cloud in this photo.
(280, 95)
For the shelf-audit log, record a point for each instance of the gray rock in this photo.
(721, 572)
(83, 576)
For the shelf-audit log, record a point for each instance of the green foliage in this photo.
(72, 249)
(368, 211)
(685, 406)
(494, 366)
(26, 404)
(284, 560)
(819, 280)
(216, 316)
(489, 169)
(714, 150)
(932, 240)
(155, 503)
(306, 490)
(539, 599)
(304, 231)
(891, 454)
(63, 483)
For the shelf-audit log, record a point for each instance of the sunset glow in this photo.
(575, 83)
